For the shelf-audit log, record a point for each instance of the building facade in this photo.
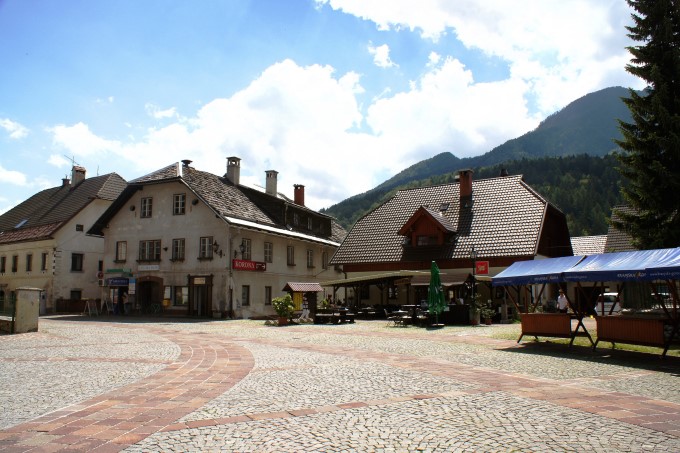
(469, 228)
(43, 241)
(203, 245)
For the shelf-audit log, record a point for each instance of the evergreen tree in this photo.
(650, 156)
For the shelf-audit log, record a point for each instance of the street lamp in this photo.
(473, 257)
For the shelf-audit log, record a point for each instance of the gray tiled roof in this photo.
(227, 199)
(617, 240)
(505, 220)
(588, 245)
(44, 213)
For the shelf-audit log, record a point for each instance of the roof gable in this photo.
(44, 213)
(425, 214)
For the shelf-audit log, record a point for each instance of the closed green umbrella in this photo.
(435, 293)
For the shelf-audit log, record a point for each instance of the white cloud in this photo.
(381, 56)
(155, 112)
(79, 140)
(562, 48)
(306, 123)
(16, 130)
(58, 161)
(433, 59)
(12, 177)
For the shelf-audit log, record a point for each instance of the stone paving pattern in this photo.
(109, 384)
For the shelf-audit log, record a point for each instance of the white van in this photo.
(609, 300)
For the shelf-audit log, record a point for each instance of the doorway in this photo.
(200, 296)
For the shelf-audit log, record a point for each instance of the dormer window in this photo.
(426, 240)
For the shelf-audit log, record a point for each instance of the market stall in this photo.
(637, 273)
(644, 268)
(521, 277)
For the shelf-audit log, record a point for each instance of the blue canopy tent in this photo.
(668, 268)
(620, 266)
(541, 272)
(635, 266)
(533, 272)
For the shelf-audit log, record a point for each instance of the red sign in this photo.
(482, 268)
(247, 265)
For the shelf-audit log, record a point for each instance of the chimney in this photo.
(465, 183)
(271, 182)
(234, 170)
(77, 175)
(65, 182)
(299, 194)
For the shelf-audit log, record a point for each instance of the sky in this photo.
(336, 95)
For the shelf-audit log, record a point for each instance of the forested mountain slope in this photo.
(567, 170)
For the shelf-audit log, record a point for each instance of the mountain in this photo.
(586, 126)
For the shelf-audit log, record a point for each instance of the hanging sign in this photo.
(247, 265)
(482, 268)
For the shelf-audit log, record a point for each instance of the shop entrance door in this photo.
(200, 295)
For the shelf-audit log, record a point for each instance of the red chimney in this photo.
(299, 195)
(465, 182)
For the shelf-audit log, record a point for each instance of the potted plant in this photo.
(475, 309)
(284, 308)
(487, 312)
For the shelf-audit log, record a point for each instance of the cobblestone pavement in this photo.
(107, 384)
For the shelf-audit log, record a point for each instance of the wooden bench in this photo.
(340, 317)
(323, 318)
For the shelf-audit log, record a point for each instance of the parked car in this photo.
(609, 300)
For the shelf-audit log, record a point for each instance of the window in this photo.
(324, 260)
(121, 251)
(181, 295)
(147, 204)
(179, 202)
(15, 263)
(290, 256)
(150, 250)
(309, 223)
(245, 295)
(76, 262)
(426, 240)
(267, 295)
(29, 262)
(246, 249)
(310, 258)
(177, 249)
(3, 264)
(268, 252)
(79, 227)
(76, 294)
(205, 248)
(296, 219)
(43, 262)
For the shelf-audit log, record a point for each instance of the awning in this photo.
(303, 287)
(448, 279)
(620, 266)
(667, 269)
(373, 279)
(533, 272)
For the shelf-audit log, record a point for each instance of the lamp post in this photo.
(473, 257)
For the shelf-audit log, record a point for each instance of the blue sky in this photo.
(337, 95)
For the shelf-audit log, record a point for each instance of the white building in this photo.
(43, 241)
(204, 245)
